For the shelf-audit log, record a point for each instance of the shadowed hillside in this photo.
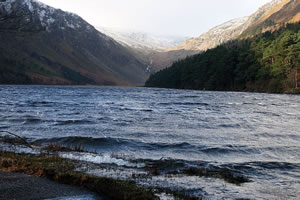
(43, 45)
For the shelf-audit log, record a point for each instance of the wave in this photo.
(4, 127)
(134, 109)
(194, 168)
(232, 172)
(114, 143)
(73, 122)
(96, 158)
(32, 121)
(41, 103)
(86, 142)
(184, 103)
(134, 145)
(189, 96)
(271, 165)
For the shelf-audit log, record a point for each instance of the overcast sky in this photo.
(161, 17)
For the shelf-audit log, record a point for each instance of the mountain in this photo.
(215, 36)
(43, 45)
(263, 60)
(229, 30)
(272, 16)
(156, 52)
(142, 40)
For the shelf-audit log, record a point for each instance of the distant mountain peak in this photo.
(142, 40)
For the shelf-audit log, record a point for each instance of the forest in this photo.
(267, 62)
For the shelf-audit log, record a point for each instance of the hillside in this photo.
(266, 63)
(43, 45)
(229, 30)
(215, 36)
(284, 11)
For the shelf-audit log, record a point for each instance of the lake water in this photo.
(187, 139)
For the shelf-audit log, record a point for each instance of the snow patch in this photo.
(7, 5)
(71, 25)
(44, 13)
(50, 20)
(142, 40)
(29, 5)
(45, 17)
(45, 7)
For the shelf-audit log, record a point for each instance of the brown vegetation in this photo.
(63, 171)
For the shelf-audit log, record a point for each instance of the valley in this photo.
(44, 45)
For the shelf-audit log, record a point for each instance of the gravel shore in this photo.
(23, 187)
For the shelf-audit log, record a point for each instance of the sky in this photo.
(160, 17)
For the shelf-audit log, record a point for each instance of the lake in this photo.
(188, 140)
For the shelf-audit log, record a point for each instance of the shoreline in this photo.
(63, 171)
(295, 91)
(22, 186)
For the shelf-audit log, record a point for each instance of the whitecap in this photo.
(95, 158)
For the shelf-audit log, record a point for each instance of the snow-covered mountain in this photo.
(215, 36)
(141, 40)
(35, 14)
(229, 30)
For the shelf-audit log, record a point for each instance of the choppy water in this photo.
(173, 132)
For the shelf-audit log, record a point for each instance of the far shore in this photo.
(295, 91)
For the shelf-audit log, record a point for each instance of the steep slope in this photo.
(229, 30)
(43, 45)
(215, 36)
(261, 13)
(283, 12)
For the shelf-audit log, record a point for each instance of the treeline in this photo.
(266, 63)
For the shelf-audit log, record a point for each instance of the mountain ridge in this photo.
(214, 36)
(229, 30)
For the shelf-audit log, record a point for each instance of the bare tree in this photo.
(297, 79)
(19, 137)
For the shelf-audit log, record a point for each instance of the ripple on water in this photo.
(73, 122)
(255, 135)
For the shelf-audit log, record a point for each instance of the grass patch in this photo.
(63, 171)
(226, 175)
